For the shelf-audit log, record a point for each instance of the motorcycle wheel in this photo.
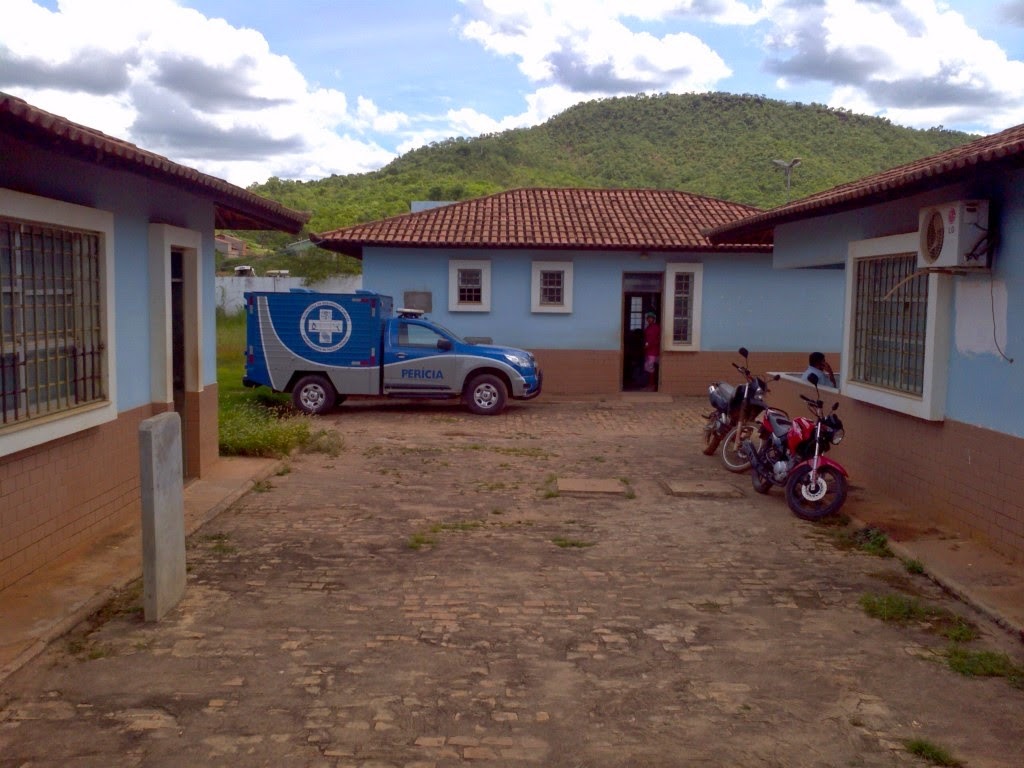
(813, 502)
(735, 460)
(761, 484)
(711, 436)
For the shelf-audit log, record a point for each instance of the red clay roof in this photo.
(235, 207)
(554, 219)
(1005, 148)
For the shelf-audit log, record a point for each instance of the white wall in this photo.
(230, 290)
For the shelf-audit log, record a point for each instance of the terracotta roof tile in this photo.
(1004, 148)
(564, 218)
(235, 207)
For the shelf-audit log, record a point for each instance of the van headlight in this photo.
(520, 360)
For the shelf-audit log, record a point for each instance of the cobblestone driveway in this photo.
(428, 598)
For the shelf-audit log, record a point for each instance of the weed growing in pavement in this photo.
(896, 608)
(262, 486)
(933, 753)
(984, 664)
(915, 567)
(460, 525)
(219, 543)
(420, 540)
(564, 543)
(428, 538)
(958, 630)
(873, 541)
(550, 490)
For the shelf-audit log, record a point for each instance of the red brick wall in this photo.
(53, 499)
(968, 478)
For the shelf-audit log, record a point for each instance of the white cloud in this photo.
(916, 62)
(586, 46)
(194, 89)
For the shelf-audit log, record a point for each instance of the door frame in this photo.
(165, 240)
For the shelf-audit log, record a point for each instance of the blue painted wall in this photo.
(135, 202)
(745, 301)
(984, 389)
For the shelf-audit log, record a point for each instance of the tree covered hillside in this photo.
(714, 144)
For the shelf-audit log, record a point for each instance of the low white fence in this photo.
(230, 290)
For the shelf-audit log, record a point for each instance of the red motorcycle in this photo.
(791, 453)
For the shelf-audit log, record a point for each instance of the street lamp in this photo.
(787, 168)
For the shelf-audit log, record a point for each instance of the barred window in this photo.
(682, 308)
(551, 287)
(682, 302)
(470, 286)
(890, 323)
(51, 337)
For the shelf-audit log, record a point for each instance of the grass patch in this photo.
(873, 541)
(984, 664)
(933, 753)
(564, 543)
(420, 540)
(257, 422)
(218, 544)
(915, 567)
(550, 490)
(896, 608)
(461, 525)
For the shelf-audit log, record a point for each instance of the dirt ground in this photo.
(429, 597)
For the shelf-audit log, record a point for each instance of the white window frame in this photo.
(454, 305)
(668, 307)
(54, 213)
(539, 267)
(931, 404)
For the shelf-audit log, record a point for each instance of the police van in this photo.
(323, 347)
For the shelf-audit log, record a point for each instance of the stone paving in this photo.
(430, 597)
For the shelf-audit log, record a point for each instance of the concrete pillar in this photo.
(163, 514)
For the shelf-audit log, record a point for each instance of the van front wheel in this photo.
(486, 395)
(314, 395)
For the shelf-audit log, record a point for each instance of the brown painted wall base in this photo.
(596, 372)
(967, 478)
(73, 491)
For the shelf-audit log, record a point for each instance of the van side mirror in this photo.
(444, 345)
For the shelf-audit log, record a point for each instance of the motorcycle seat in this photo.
(780, 423)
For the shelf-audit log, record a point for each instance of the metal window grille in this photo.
(682, 308)
(890, 318)
(551, 287)
(471, 286)
(51, 339)
(636, 313)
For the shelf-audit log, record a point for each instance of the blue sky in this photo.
(249, 89)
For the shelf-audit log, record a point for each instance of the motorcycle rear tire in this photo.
(814, 503)
(712, 437)
(733, 460)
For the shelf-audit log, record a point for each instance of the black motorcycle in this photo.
(732, 418)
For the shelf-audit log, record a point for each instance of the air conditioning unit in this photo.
(954, 235)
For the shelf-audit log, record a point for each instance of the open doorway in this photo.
(641, 293)
(178, 349)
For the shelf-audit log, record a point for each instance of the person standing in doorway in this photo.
(652, 349)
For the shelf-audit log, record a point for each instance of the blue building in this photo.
(932, 322)
(570, 273)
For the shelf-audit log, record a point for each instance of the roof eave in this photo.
(236, 208)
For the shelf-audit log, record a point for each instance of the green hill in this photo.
(714, 144)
